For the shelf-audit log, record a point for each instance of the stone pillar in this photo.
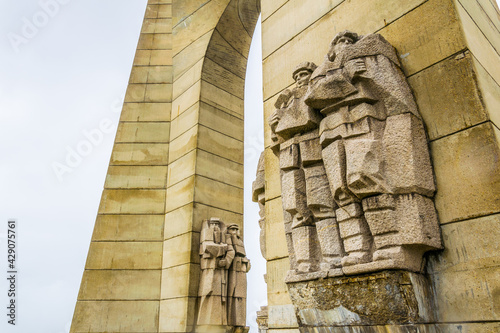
(177, 159)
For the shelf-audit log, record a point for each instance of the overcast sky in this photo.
(63, 74)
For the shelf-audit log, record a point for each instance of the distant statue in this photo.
(308, 206)
(259, 196)
(237, 278)
(223, 283)
(216, 258)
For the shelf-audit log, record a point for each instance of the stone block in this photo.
(217, 194)
(490, 92)
(180, 250)
(200, 22)
(221, 121)
(224, 54)
(277, 292)
(422, 45)
(135, 92)
(132, 202)
(183, 144)
(128, 228)
(469, 328)
(272, 172)
(124, 255)
(146, 112)
(381, 298)
(468, 246)
(220, 169)
(221, 99)
(182, 168)
(139, 154)
(232, 29)
(467, 167)
(177, 315)
(186, 100)
(180, 194)
(136, 177)
(204, 212)
(481, 45)
(188, 78)
(180, 221)
(269, 7)
(276, 245)
(161, 58)
(143, 132)
(467, 296)
(455, 108)
(160, 74)
(158, 93)
(183, 9)
(189, 218)
(290, 20)
(142, 57)
(180, 281)
(115, 316)
(282, 316)
(185, 121)
(161, 42)
(219, 144)
(189, 56)
(223, 78)
(120, 285)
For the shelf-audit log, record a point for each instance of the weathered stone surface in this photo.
(282, 316)
(177, 281)
(388, 297)
(177, 315)
(467, 173)
(132, 202)
(120, 284)
(139, 154)
(124, 255)
(136, 177)
(128, 228)
(115, 316)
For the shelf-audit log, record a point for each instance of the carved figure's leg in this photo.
(355, 234)
(321, 204)
(334, 159)
(404, 227)
(305, 244)
(365, 163)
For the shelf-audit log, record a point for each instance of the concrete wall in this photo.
(450, 54)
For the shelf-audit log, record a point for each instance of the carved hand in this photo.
(355, 67)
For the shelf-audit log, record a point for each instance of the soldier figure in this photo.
(237, 278)
(374, 149)
(216, 258)
(309, 209)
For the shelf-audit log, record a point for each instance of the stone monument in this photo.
(223, 285)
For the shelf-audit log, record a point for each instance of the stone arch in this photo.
(177, 159)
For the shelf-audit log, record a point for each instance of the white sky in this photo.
(65, 78)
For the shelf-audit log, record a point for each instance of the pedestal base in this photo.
(383, 298)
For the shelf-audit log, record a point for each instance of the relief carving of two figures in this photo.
(223, 283)
(356, 178)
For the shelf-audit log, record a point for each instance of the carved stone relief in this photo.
(223, 283)
(356, 177)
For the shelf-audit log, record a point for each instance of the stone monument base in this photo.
(383, 298)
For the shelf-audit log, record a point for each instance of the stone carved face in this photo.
(234, 231)
(214, 224)
(338, 45)
(302, 78)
